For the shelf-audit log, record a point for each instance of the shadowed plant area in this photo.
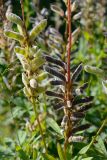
(53, 80)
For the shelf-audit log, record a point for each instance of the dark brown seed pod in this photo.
(55, 73)
(57, 82)
(82, 100)
(78, 114)
(53, 94)
(84, 108)
(84, 86)
(77, 72)
(59, 106)
(55, 61)
(80, 128)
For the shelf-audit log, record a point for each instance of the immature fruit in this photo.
(33, 83)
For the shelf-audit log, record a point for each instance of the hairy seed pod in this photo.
(57, 82)
(53, 94)
(84, 108)
(27, 92)
(77, 72)
(23, 61)
(14, 35)
(80, 128)
(77, 16)
(78, 114)
(41, 76)
(79, 90)
(58, 106)
(55, 61)
(14, 18)
(65, 119)
(37, 29)
(83, 100)
(94, 70)
(33, 83)
(55, 73)
(76, 139)
(75, 35)
(57, 10)
(74, 6)
(25, 80)
(20, 50)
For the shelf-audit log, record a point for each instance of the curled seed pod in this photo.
(20, 50)
(84, 108)
(33, 83)
(14, 35)
(59, 106)
(55, 61)
(25, 80)
(77, 16)
(55, 73)
(76, 139)
(80, 128)
(37, 29)
(14, 18)
(53, 94)
(77, 72)
(78, 114)
(82, 100)
(57, 82)
(57, 10)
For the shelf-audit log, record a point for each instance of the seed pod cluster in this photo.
(75, 107)
(29, 55)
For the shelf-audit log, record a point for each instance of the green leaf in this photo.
(60, 152)
(84, 149)
(37, 29)
(100, 146)
(14, 35)
(48, 157)
(52, 123)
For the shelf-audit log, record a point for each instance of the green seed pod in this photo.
(42, 76)
(37, 62)
(23, 61)
(20, 50)
(25, 80)
(14, 35)
(27, 92)
(14, 18)
(37, 29)
(33, 83)
(94, 70)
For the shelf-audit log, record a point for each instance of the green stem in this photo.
(39, 124)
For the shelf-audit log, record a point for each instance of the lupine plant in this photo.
(52, 91)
